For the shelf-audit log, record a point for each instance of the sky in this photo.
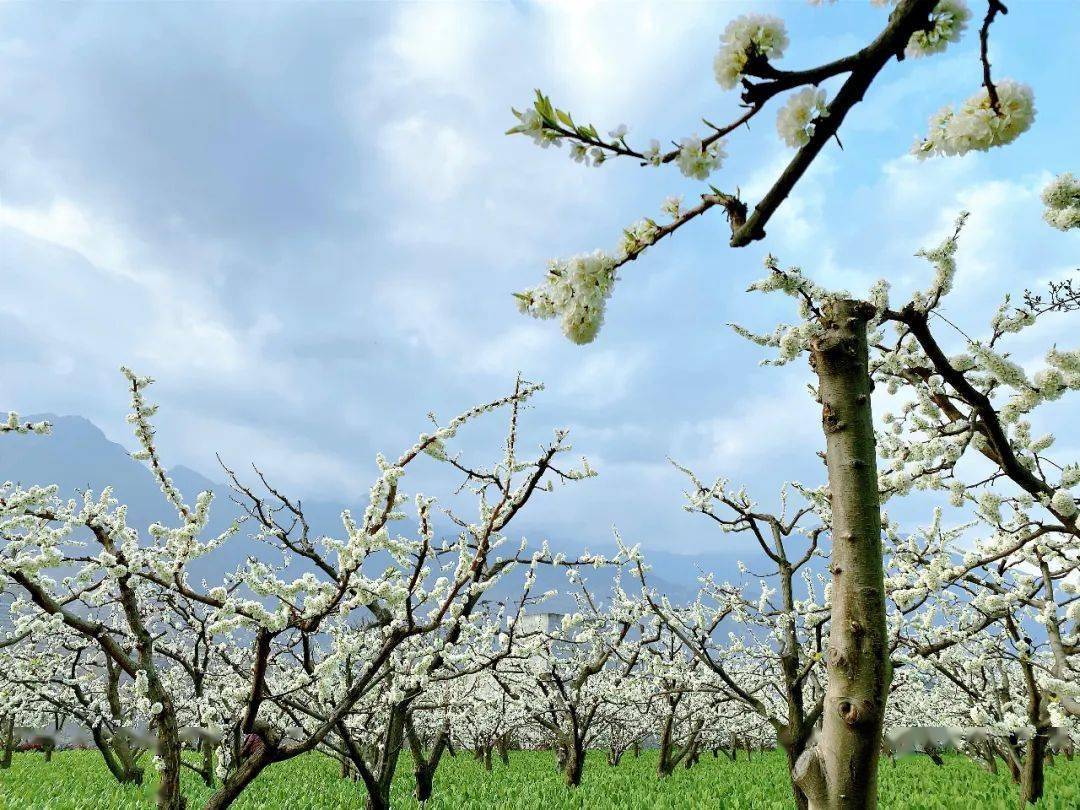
(305, 222)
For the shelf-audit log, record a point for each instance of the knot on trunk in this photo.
(856, 711)
(829, 420)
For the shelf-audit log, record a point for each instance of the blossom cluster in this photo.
(576, 290)
(15, 424)
(1062, 200)
(698, 160)
(976, 125)
(948, 21)
(797, 119)
(747, 38)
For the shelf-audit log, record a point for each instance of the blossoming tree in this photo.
(412, 598)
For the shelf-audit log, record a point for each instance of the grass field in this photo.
(78, 779)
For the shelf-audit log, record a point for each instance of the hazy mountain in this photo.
(77, 456)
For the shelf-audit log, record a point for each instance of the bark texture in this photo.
(840, 771)
(7, 730)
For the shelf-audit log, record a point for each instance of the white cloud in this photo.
(769, 430)
(603, 377)
(428, 161)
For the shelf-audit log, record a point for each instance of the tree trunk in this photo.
(424, 767)
(664, 765)
(575, 764)
(793, 752)
(1032, 780)
(990, 757)
(239, 779)
(503, 745)
(129, 759)
(425, 778)
(207, 746)
(379, 788)
(118, 757)
(7, 729)
(840, 771)
(169, 796)
(1012, 759)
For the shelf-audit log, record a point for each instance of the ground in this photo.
(78, 779)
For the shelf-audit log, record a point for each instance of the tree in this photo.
(416, 596)
(951, 411)
(781, 638)
(841, 770)
(563, 673)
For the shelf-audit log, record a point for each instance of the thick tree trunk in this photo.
(169, 796)
(118, 757)
(239, 779)
(574, 765)
(503, 746)
(7, 729)
(840, 771)
(793, 753)
(379, 790)
(1032, 780)
(990, 757)
(425, 778)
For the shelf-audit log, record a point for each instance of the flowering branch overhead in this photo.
(749, 47)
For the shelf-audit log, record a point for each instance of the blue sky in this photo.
(305, 221)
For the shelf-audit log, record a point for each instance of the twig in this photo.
(992, 9)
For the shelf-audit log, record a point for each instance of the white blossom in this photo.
(949, 19)
(976, 126)
(747, 37)
(797, 119)
(698, 161)
(1062, 200)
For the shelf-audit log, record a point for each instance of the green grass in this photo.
(79, 779)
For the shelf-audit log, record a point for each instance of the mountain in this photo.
(77, 456)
